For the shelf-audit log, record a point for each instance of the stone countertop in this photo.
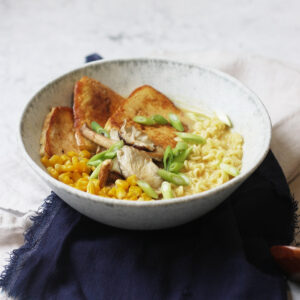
(39, 40)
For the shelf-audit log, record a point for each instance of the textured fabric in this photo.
(224, 255)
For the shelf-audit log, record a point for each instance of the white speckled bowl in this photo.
(195, 86)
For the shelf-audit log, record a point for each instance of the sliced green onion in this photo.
(96, 172)
(143, 120)
(147, 189)
(160, 119)
(95, 163)
(224, 118)
(175, 167)
(231, 170)
(197, 116)
(109, 153)
(180, 146)
(98, 156)
(185, 178)
(166, 190)
(175, 122)
(191, 138)
(183, 155)
(177, 179)
(99, 129)
(168, 157)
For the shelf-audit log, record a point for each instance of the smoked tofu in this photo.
(146, 101)
(93, 101)
(58, 135)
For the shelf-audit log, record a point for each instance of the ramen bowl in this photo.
(195, 86)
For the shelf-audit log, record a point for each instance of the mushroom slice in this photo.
(105, 142)
(135, 162)
(114, 135)
(97, 138)
(104, 172)
(132, 136)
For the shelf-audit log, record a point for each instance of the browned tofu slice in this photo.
(93, 101)
(146, 101)
(58, 135)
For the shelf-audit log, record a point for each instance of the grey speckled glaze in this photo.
(195, 86)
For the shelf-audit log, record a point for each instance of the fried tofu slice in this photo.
(58, 135)
(93, 101)
(147, 101)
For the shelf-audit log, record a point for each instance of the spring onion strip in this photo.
(180, 146)
(159, 119)
(175, 122)
(183, 155)
(166, 190)
(143, 120)
(147, 189)
(178, 179)
(109, 153)
(191, 138)
(231, 170)
(99, 129)
(168, 157)
(96, 172)
(224, 118)
(95, 163)
(175, 167)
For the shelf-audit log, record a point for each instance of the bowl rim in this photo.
(164, 202)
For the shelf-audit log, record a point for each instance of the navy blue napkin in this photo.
(223, 255)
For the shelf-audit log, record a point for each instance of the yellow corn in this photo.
(120, 192)
(64, 158)
(91, 188)
(71, 153)
(84, 154)
(122, 184)
(72, 169)
(145, 197)
(132, 180)
(53, 172)
(65, 178)
(76, 176)
(45, 161)
(112, 192)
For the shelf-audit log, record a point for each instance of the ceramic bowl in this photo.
(195, 86)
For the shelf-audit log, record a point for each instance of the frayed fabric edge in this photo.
(41, 222)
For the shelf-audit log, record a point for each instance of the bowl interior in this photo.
(193, 86)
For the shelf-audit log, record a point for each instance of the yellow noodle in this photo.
(202, 167)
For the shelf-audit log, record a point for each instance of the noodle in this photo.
(202, 166)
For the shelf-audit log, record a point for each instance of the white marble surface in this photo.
(40, 40)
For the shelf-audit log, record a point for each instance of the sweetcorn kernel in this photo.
(65, 178)
(71, 153)
(112, 192)
(75, 160)
(91, 188)
(132, 180)
(45, 161)
(76, 176)
(145, 197)
(58, 168)
(122, 184)
(85, 175)
(53, 172)
(54, 159)
(64, 158)
(85, 154)
(134, 191)
(120, 193)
